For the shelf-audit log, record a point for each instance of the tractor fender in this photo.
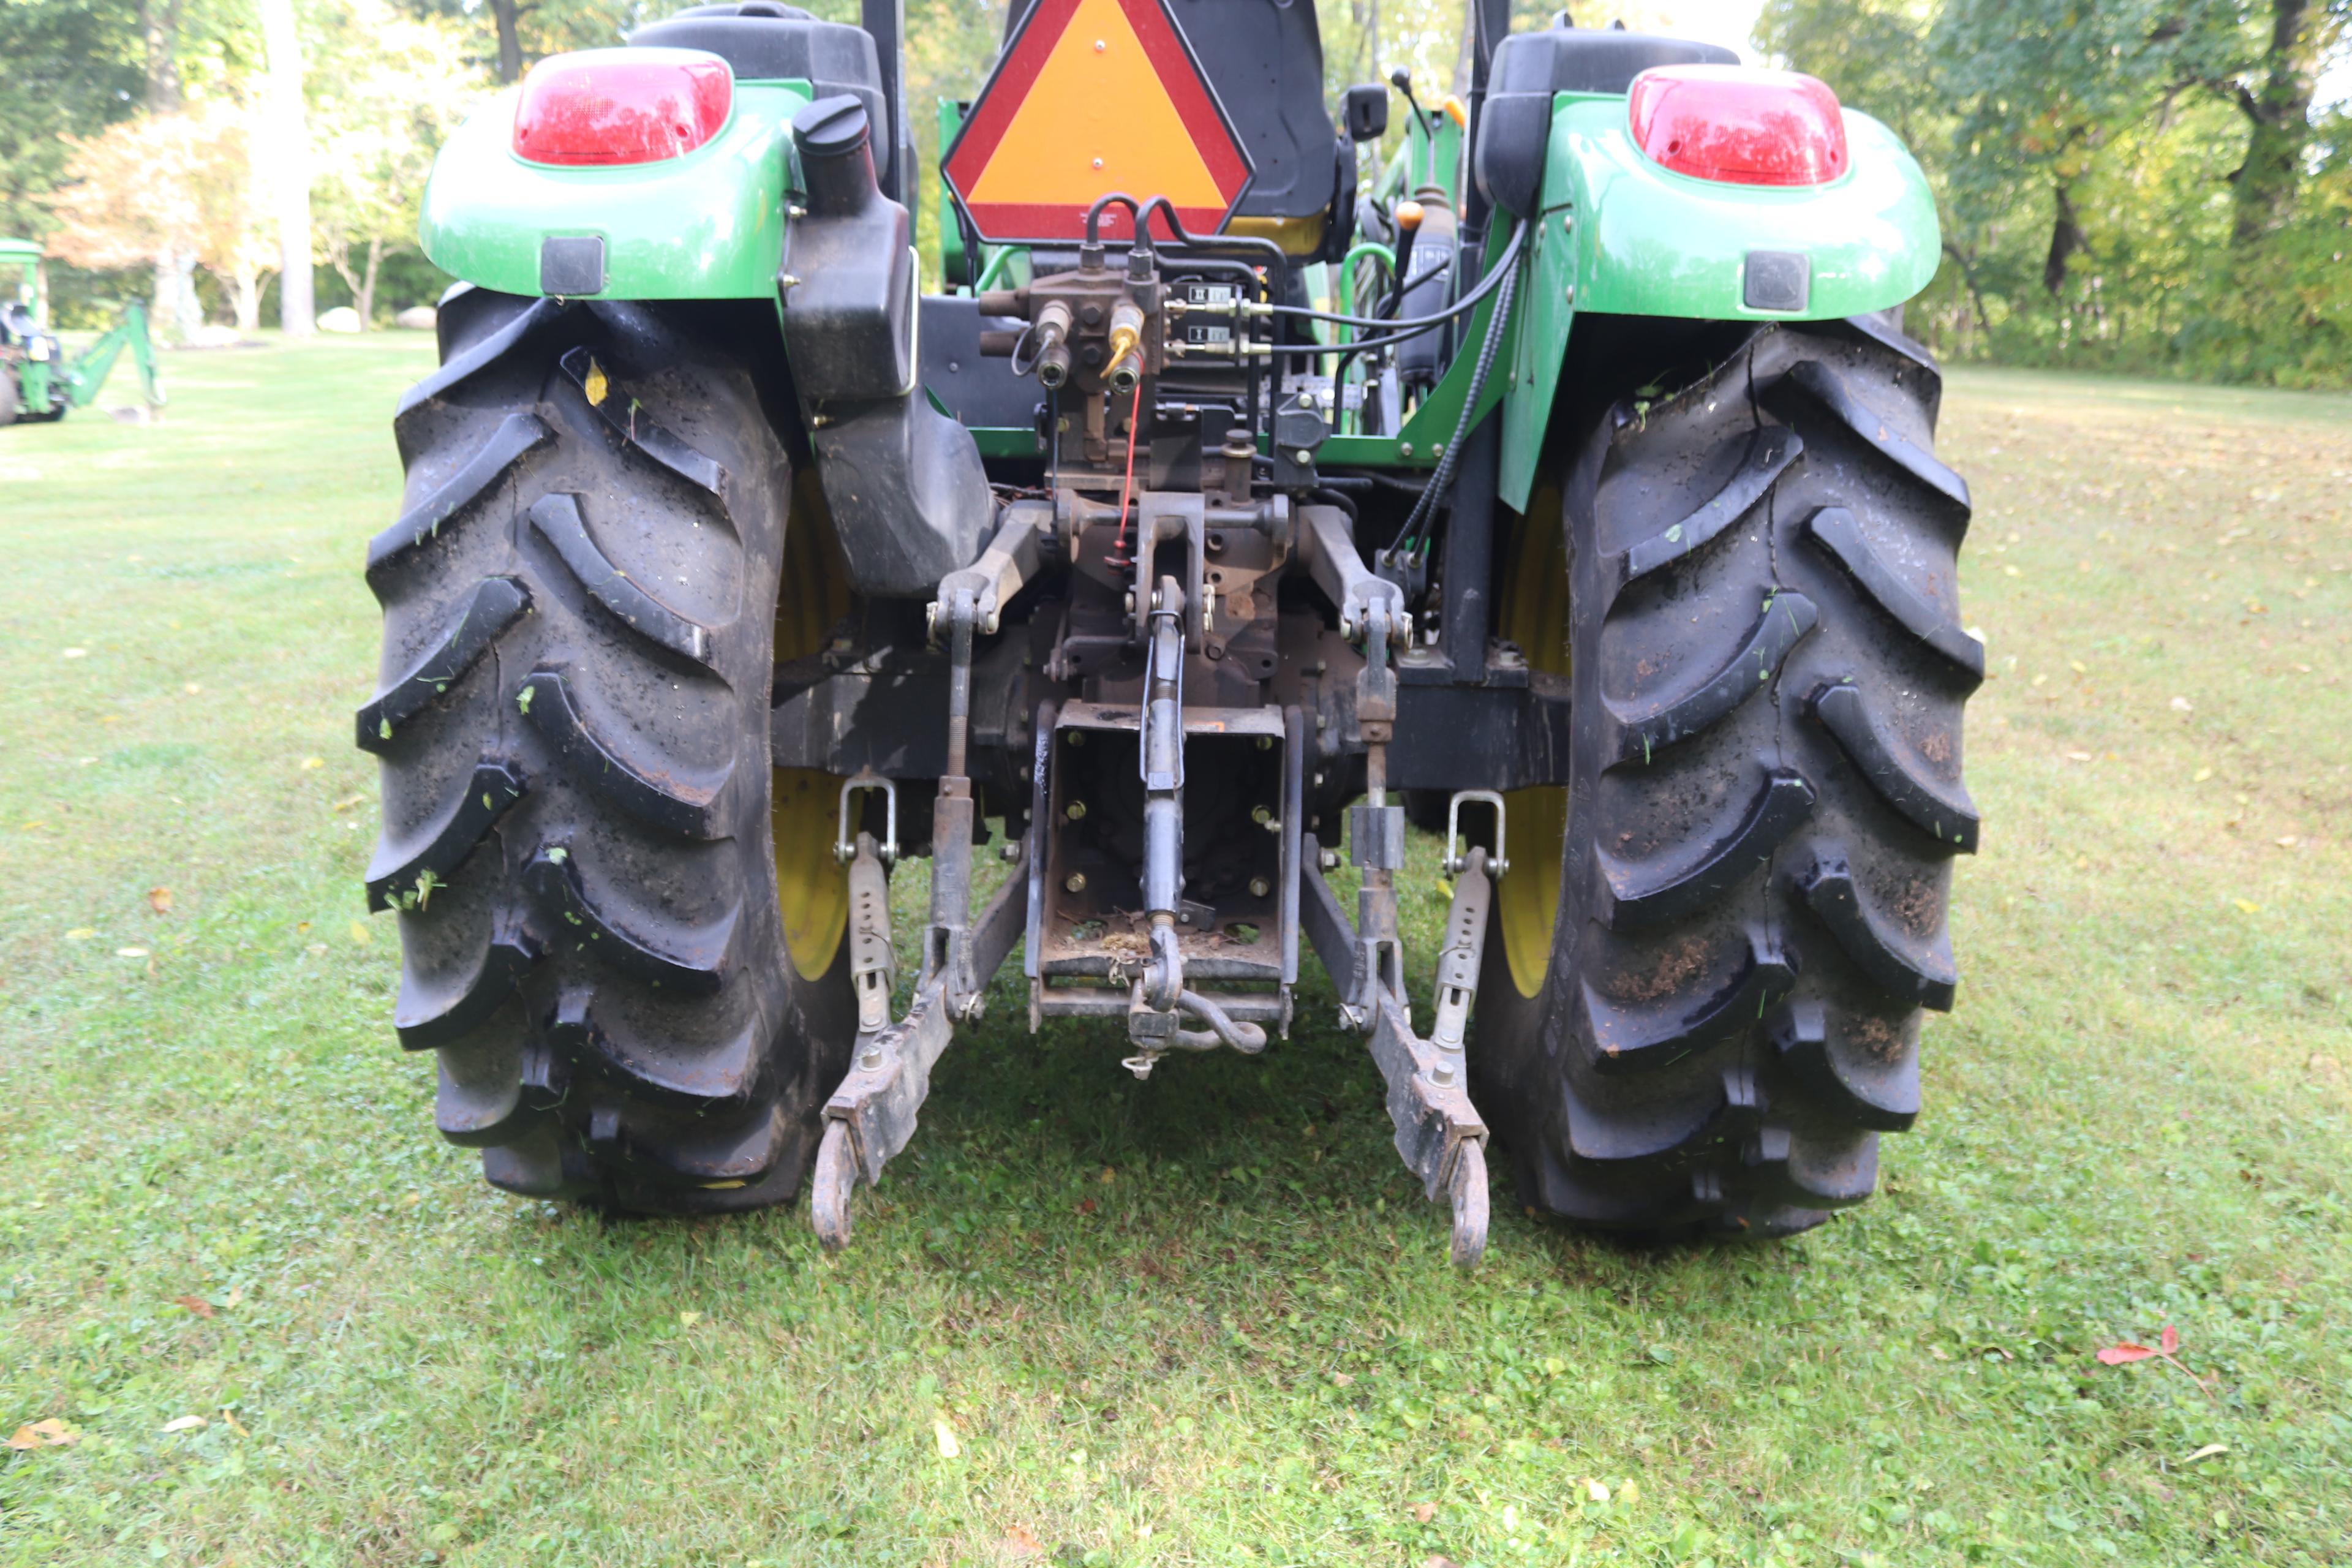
(708, 225)
(1615, 233)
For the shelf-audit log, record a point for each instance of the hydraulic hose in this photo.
(1416, 525)
(1486, 285)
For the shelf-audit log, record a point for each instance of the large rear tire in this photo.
(1705, 969)
(621, 930)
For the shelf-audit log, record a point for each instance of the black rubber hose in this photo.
(1503, 265)
(1416, 526)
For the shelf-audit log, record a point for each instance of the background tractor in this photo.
(1567, 477)
(37, 380)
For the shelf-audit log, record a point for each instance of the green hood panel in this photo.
(708, 225)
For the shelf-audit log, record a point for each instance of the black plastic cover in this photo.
(1578, 59)
(1365, 110)
(572, 267)
(1776, 280)
(1515, 125)
(848, 312)
(978, 389)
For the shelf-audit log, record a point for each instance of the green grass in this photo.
(1206, 1320)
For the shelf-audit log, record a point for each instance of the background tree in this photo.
(179, 184)
(507, 37)
(398, 87)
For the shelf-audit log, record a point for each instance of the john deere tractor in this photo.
(1564, 480)
(37, 380)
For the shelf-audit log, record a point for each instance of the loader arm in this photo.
(87, 373)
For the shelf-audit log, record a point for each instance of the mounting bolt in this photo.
(1260, 887)
(1261, 814)
(1076, 811)
(1265, 742)
(1302, 457)
(870, 1059)
(1440, 1075)
(1075, 882)
(1568, 222)
(1330, 859)
(1572, 294)
(1078, 737)
(1405, 448)
(1009, 851)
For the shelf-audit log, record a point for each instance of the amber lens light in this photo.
(1739, 126)
(621, 106)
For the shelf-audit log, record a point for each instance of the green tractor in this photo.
(1567, 481)
(36, 381)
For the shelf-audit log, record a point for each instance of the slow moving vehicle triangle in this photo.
(1095, 96)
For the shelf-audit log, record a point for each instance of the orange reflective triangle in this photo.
(1095, 96)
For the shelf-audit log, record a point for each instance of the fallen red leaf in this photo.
(1021, 1543)
(197, 1304)
(2167, 1343)
(1423, 1513)
(1086, 1206)
(159, 899)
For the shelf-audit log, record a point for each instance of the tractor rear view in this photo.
(1565, 481)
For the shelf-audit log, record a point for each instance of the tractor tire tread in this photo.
(1763, 805)
(596, 957)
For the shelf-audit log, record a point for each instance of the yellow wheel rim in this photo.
(1534, 614)
(803, 805)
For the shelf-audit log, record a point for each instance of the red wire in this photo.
(1134, 415)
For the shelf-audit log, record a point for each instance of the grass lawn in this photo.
(1206, 1320)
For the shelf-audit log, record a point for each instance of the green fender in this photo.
(708, 225)
(1618, 234)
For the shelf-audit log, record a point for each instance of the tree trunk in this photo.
(1969, 281)
(289, 134)
(164, 314)
(244, 285)
(507, 16)
(159, 29)
(2066, 237)
(367, 286)
(190, 309)
(159, 32)
(2269, 181)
